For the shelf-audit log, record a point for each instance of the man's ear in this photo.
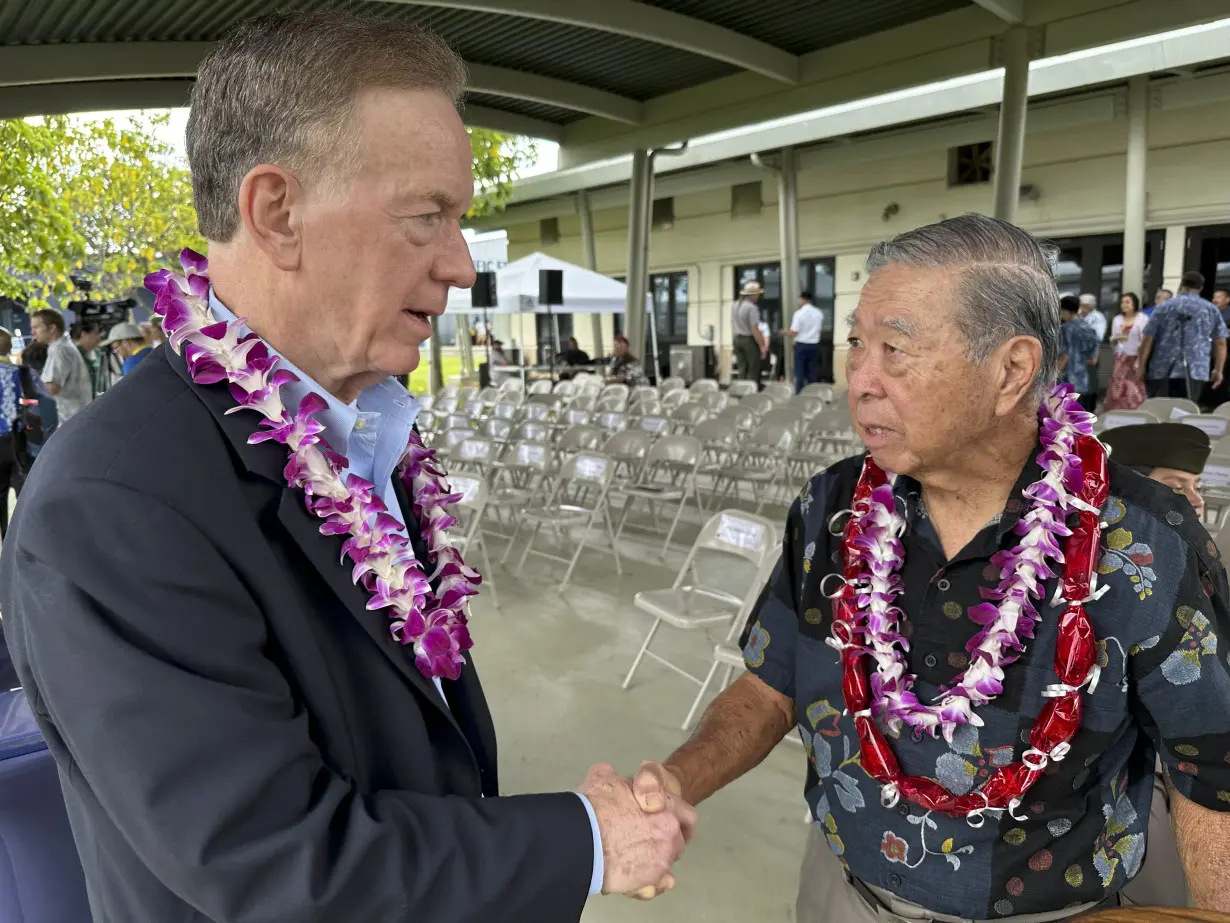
(270, 202)
(1018, 363)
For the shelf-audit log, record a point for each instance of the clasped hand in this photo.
(645, 825)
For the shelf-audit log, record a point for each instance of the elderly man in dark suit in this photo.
(248, 728)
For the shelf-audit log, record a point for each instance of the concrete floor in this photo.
(552, 667)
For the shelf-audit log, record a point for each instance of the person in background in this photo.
(1126, 391)
(129, 344)
(1163, 295)
(805, 328)
(625, 368)
(1097, 321)
(1078, 347)
(1092, 316)
(33, 361)
(1215, 397)
(1221, 301)
(1172, 454)
(10, 413)
(87, 337)
(497, 353)
(66, 374)
(156, 336)
(751, 346)
(1184, 344)
(574, 355)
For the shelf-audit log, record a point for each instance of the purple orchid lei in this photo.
(1007, 616)
(433, 622)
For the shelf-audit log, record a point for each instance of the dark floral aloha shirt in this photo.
(1164, 688)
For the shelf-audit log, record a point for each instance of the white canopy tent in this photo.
(585, 292)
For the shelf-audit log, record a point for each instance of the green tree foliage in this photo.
(110, 202)
(38, 231)
(498, 159)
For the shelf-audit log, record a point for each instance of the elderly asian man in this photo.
(981, 715)
(244, 633)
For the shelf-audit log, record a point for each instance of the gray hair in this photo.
(281, 89)
(1006, 285)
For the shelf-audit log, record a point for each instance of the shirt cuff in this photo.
(595, 881)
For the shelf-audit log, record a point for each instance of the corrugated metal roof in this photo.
(632, 67)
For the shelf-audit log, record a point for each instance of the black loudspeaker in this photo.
(483, 293)
(551, 287)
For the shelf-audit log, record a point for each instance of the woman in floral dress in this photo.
(1126, 391)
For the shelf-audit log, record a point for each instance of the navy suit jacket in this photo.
(239, 740)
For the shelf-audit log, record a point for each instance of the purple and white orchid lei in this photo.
(433, 622)
(1007, 616)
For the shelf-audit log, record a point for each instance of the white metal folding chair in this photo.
(451, 438)
(1222, 410)
(742, 389)
(577, 501)
(612, 422)
(673, 383)
(532, 431)
(467, 536)
(822, 391)
(685, 417)
(755, 402)
(616, 390)
(611, 403)
(1169, 408)
(522, 478)
(473, 456)
(762, 464)
(727, 653)
(581, 439)
(543, 386)
(669, 476)
(809, 405)
(675, 399)
(693, 605)
(565, 388)
(778, 391)
(713, 401)
(628, 450)
(654, 425)
(787, 416)
(703, 386)
(512, 386)
(1117, 418)
(497, 430)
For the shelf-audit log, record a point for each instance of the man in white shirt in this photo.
(1090, 314)
(805, 328)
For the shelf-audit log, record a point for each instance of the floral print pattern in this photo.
(1115, 846)
(1133, 558)
(757, 642)
(1183, 665)
(968, 765)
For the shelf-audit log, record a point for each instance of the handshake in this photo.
(645, 825)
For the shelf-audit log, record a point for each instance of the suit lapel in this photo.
(266, 460)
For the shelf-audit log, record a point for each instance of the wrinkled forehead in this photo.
(912, 301)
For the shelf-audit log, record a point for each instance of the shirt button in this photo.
(930, 660)
(903, 809)
(943, 585)
(894, 880)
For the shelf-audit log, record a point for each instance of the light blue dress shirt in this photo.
(372, 434)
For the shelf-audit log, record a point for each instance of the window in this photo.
(816, 275)
(663, 213)
(971, 164)
(670, 306)
(548, 232)
(745, 200)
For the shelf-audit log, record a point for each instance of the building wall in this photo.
(1078, 169)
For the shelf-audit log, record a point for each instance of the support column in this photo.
(638, 224)
(1135, 199)
(788, 237)
(1010, 140)
(437, 357)
(591, 261)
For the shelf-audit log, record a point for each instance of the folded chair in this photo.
(693, 605)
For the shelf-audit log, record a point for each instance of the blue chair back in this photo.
(40, 873)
